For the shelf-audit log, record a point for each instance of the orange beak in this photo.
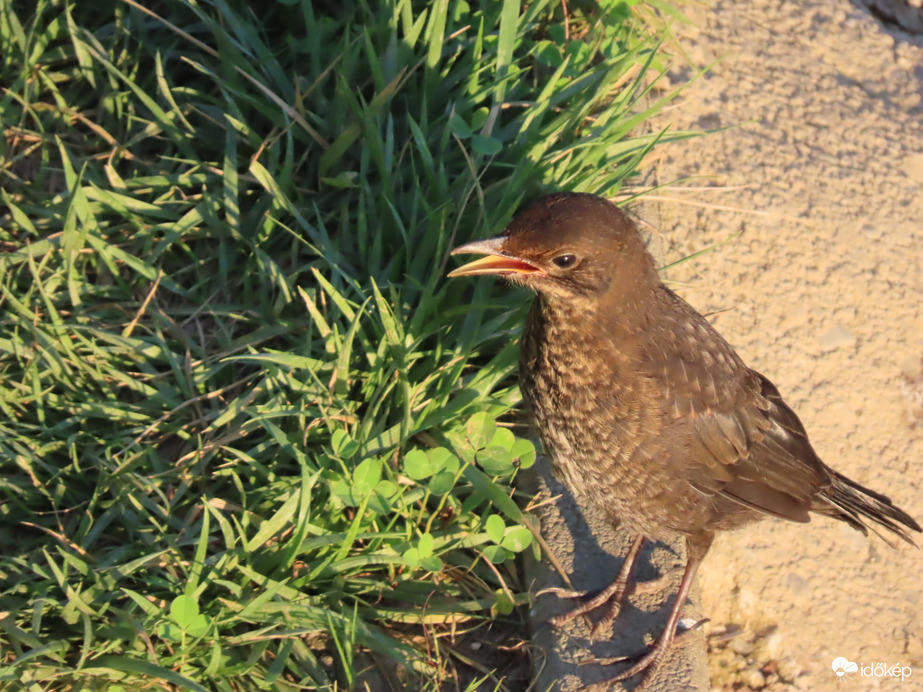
(496, 262)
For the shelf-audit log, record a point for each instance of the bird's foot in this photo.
(613, 596)
(645, 663)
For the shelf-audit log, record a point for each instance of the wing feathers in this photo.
(739, 437)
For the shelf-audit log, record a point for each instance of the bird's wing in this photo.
(733, 432)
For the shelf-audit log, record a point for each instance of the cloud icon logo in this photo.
(842, 666)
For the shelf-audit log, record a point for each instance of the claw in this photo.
(561, 593)
(680, 639)
(648, 661)
(614, 593)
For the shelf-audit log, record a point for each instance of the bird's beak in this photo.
(496, 262)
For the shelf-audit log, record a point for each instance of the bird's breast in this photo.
(585, 399)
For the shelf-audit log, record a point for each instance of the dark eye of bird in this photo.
(565, 261)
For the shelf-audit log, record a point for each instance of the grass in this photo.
(251, 437)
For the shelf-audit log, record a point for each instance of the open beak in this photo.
(496, 262)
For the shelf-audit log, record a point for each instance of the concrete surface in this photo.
(590, 551)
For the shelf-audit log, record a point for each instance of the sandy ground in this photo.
(824, 294)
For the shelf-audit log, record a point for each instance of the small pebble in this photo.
(756, 680)
(742, 646)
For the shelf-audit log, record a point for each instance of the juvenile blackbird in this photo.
(648, 414)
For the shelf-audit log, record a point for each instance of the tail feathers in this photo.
(863, 509)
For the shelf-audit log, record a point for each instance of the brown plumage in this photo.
(646, 411)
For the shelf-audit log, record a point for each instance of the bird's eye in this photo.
(565, 261)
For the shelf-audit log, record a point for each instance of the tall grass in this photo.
(250, 434)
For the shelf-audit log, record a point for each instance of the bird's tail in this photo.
(863, 509)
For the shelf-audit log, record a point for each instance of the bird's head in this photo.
(569, 246)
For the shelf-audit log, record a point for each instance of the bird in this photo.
(646, 411)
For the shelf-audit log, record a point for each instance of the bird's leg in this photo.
(648, 661)
(614, 593)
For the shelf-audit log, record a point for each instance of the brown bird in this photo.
(648, 414)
